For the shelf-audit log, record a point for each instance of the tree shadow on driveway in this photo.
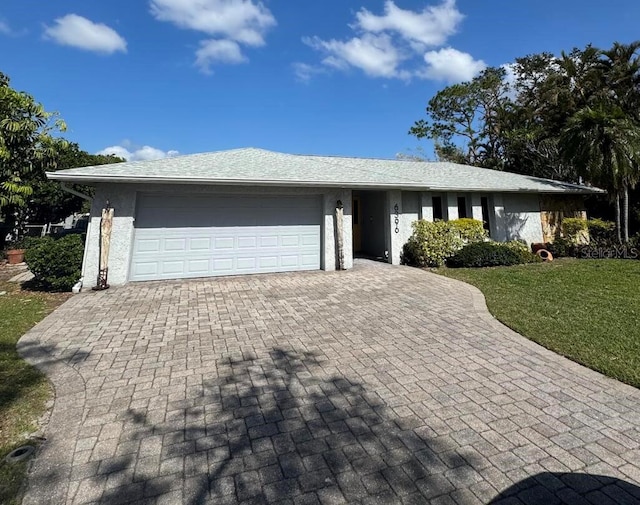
(549, 488)
(272, 429)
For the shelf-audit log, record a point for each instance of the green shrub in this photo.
(56, 263)
(24, 243)
(574, 229)
(483, 254)
(470, 230)
(601, 232)
(491, 254)
(561, 248)
(433, 242)
(521, 248)
(430, 244)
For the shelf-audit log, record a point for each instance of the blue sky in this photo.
(149, 78)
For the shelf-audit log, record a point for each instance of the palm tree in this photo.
(621, 70)
(603, 143)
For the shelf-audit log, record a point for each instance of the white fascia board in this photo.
(87, 178)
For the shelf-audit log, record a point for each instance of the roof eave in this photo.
(88, 179)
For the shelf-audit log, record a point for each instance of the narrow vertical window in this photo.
(484, 202)
(436, 202)
(462, 207)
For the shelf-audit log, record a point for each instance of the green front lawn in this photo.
(587, 310)
(24, 391)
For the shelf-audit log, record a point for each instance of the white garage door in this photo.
(180, 236)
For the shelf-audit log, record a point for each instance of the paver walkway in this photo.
(377, 385)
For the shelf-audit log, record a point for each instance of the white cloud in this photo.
(304, 72)
(451, 65)
(375, 55)
(431, 27)
(218, 51)
(394, 44)
(133, 153)
(76, 31)
(230, 23)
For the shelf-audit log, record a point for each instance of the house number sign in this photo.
(397, 218)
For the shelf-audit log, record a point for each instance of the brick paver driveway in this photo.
(378, 385)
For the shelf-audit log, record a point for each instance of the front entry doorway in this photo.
(369, 232)
(357, 229)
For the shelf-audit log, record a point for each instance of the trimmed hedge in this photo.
(56, 263)
(492, 254)
(433, 242)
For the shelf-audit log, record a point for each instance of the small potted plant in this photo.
(15, 256)
(15, 252)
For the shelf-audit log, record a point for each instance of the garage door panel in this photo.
(247, 242)
(224, 243)
(198, 266)
(148, 245)
(310, 240)
(290, 241)
(180, 236)
(200, 244)
(268, 241)
(246, 263)
(268, 262)
(175, 245)
(143, 269)
(290, 261)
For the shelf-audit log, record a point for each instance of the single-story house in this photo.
(254, 211)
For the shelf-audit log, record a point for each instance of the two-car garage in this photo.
(202, 235)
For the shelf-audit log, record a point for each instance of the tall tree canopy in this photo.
(49, 203)
(464, 119)
(564, 117)
(29, 146)
(26, 144)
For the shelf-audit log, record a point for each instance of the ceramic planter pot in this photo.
(15, 256)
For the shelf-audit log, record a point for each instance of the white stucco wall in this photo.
(410, 211)
(122, 197)
(396, 239)
(522, 217)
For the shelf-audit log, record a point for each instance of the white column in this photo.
(452, 206)
(476, 206)
(499, 225)
(329, 203)
(394, 206)
(329, 200)
(426, 206)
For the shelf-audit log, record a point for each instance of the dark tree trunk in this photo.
(618, 228)
(625, 213)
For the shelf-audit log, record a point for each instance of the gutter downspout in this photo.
(78, 285)
(66, 188)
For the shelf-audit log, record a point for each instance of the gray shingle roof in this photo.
(260, 167)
